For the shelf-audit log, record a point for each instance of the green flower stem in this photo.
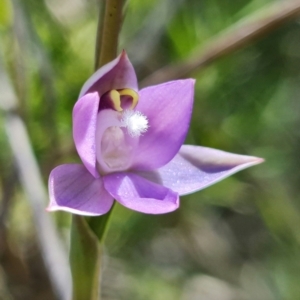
(110, 21)
(85, 261)
(87, 234)
(87, 238)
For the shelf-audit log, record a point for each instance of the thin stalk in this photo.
(87, 234)
(109, 25)
(85, 261)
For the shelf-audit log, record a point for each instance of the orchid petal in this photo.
(117, 74)
(84, 130)
(139, 194)
(195, 168)
(168, 108)
(73, 189)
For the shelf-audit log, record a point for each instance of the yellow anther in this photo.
(115, 97)
(133, 94)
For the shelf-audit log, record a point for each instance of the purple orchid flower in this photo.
(130, 143)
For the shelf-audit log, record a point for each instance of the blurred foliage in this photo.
(238, 239)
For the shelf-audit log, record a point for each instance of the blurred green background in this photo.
(236, 240)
